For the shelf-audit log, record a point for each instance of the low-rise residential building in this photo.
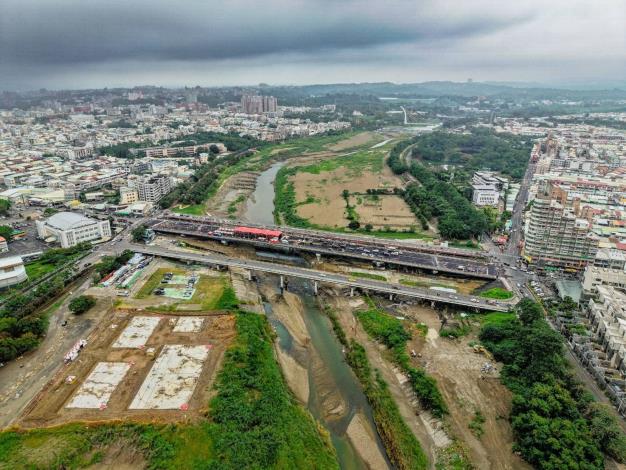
(70, 229)
(4, 246)
(128, 195)
(607, 316)
(608, 269)
(12, 271)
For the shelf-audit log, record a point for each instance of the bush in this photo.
(81, 304)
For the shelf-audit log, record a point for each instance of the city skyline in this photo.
(96, 44)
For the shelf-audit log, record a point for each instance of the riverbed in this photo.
(260, 205)
(332, 392)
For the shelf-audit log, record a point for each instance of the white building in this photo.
(608, 269)
(69, 229)
(485, 195)
(12, 271)
(4, 246)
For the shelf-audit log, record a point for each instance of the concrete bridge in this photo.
(317, 277)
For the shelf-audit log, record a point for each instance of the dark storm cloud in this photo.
(74, 32)
(95, 43)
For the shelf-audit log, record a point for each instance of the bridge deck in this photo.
(332, 278)
(333, 246)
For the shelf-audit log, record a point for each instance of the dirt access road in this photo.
(21, 379)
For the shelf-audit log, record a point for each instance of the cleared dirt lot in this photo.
(329, 208)
(50, 406)
(383, 211)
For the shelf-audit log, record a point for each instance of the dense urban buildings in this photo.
(578, 197)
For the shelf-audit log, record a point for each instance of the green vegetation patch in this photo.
(154, 281)
(497, 293)
(193, 209)
(391, 332)
(403, 449)
(554, 419)
(375, 277)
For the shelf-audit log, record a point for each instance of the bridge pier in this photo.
(351, 291)
(249, 275)
(432, 304)
(318, 256)
(315, 287)
(282, 281)
(390, 296)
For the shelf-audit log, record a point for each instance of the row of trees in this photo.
(556, 423)
(22, 318)
(197, 188)
(22, 323)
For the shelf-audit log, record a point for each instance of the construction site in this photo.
(140, 366)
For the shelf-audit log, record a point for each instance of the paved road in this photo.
(320, 276)
(389, 252)
(512, 248)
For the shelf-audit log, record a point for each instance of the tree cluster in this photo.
(81, 304)
(204, 180)
(555, 422)
(5, 205)
(458, 218)
(482, 149)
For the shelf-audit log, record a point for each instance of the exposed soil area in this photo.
(48, 407)
(457, 370)
(356, 140)
(329, 208)
(383, 211)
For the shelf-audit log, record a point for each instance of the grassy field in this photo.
(375, 277)
(497, 293)
(196, 209)
(208, 295)
(37, 269)
(154, 281)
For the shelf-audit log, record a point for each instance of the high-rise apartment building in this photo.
(254, 104)
(556, 237)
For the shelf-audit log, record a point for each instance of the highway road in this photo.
(512, 248)
(332, 278)
(389, 252)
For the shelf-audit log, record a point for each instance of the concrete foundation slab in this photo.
(137, 332)
(188, 325)
(172, 379)
(99, 385)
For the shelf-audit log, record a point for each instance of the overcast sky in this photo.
(97, 43)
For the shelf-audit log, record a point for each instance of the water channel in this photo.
(260, 205)
(338, 377)
(337, 373)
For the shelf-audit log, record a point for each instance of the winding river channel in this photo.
(336, 376)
